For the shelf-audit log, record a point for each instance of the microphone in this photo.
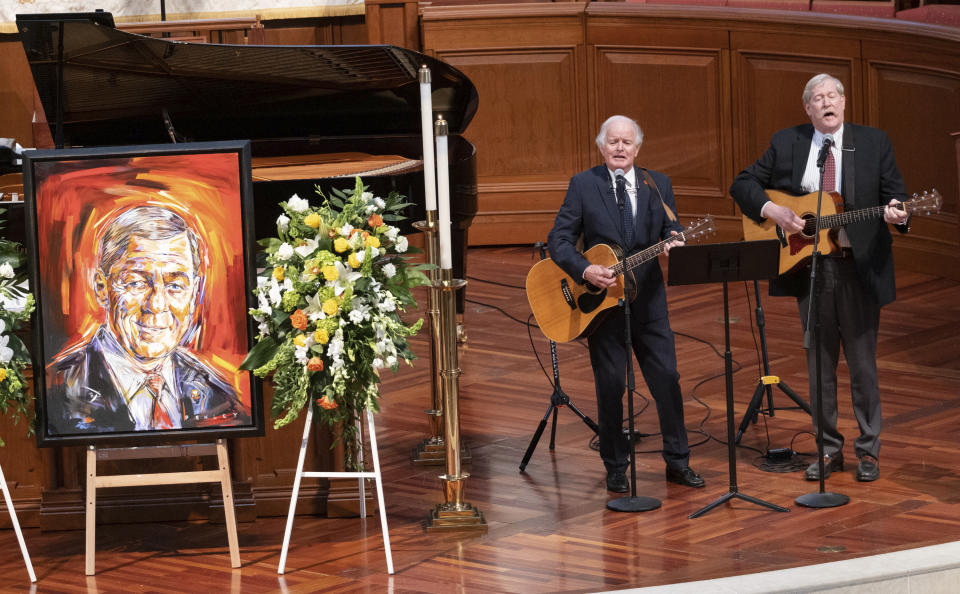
(621, 183)
(824, 150)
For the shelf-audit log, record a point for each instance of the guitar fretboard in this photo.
(645, 255)
(852, 216)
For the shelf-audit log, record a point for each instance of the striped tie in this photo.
(829, 173)
(626, 211)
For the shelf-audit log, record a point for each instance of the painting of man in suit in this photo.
(136, 372)
(142, 266)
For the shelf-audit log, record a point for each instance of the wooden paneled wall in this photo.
(708, 86)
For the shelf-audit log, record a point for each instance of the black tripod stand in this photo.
(767, 380)
(557, 399)
(723, 262)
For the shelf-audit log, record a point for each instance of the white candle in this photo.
(426, 128)
(443, 195)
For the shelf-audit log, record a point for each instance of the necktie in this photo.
(159, 417)
(829, 173)
(626, 211)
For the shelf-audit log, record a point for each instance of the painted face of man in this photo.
(620, 146)
(150, 294)
(825, 107)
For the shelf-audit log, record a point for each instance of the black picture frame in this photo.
(88, 372)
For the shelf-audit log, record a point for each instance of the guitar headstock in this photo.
(925, 204)
(700, 228)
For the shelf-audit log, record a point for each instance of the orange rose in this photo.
(299, 320)
(375, 220)
(326, 403)
(315, 364)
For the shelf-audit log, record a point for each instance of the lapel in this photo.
(847, 153)
(801, 151)
(645, 209)
(608, 198)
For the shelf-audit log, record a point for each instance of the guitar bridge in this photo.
(567, 294)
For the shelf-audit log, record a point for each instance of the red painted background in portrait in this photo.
(75, 200)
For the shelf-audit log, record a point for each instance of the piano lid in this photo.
(120, 88)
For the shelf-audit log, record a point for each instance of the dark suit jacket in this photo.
(82, 397)
(870, 178)
(590, 208)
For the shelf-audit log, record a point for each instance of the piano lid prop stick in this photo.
(426, 128)
(443, 194)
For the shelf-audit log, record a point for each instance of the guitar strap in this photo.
(649, 179)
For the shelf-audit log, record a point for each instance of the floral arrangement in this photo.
(16, 305)
(330, 294)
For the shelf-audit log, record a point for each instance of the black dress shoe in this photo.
(685, 476)
(617, 482)
(868, 469)
(830, 463)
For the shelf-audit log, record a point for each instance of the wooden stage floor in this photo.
(549, 530)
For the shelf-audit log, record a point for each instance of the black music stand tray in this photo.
(724, 262)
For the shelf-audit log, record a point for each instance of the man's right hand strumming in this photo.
(599, 276)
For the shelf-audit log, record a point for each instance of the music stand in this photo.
(724, 262)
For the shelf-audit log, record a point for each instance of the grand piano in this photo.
(315, 115)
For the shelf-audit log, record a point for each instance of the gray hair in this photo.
(602, 136)
(148, 222)
(816, 80)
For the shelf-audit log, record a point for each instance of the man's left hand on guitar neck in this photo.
(894, 215)
(672, 244)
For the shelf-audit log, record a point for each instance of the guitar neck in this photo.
(644, 255)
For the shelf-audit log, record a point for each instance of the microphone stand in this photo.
(822, 498)
(631, 503)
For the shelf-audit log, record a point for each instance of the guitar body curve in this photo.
(563, 308)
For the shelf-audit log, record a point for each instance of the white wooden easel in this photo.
(375, 475)
(16, 526)
(221, 475)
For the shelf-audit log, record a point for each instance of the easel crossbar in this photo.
(159, 478)
(369, 475)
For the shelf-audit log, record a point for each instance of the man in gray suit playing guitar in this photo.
(857, 279)
(623, 205)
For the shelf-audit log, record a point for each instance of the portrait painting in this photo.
(141, 264)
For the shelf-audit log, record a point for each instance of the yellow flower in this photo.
(330, 272)
(313, 220)
(330, 306)
(321, 336)
(300, 340)
(353, 261)
(341, 245)
(278, 273)
(372, 241)
(3, 372)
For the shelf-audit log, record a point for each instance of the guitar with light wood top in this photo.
(797, 248)
(566, 309)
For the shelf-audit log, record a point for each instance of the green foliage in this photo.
(13, 353)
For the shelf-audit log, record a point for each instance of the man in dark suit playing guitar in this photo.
(857, 279)
(632, 216)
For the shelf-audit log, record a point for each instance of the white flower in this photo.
(300, 354)
(377, 363)
(392, 232)
(359, 311)
(402, 243)
(360, 255)
(391, 361)
(314, 309)
(356, 242)
(283, 223)
(297, 204)
(370, 208)
(389, 270)
(284, 251)
(380, 203)
(335, 346)
(346, 230)
(264, 329)
(6, 271)
(306, 248)
(6, 353)
(274, 294)
(387, 305)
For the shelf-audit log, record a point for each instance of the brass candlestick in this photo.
(432, 450)
(454, 513)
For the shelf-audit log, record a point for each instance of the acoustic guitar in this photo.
(566, 309)
(797, 248)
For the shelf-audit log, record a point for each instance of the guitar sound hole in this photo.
(587, 302)
(809, 225)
